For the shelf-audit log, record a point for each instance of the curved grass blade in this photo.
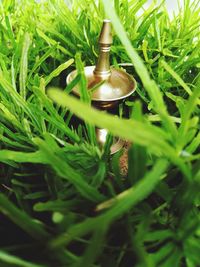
(24, 221)
(141, 133)
(121, 204)
(141, 70)
(58, 70)
(24, 65)
(11, 259)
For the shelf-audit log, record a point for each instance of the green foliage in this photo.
(64, 200)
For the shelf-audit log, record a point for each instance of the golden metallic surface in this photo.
(102, 69)
(105, 37)
(107, 86)
(118, 86)
(101, 135)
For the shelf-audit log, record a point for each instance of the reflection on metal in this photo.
(108, 86)
(101, 135)
(118, 86)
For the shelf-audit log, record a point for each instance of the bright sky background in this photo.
(172, 5)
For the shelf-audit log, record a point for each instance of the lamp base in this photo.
(101, 135)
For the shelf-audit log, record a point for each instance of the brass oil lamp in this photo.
(111, 85)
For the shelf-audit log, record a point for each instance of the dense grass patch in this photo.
(63, 199)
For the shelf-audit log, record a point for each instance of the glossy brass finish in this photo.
(107, 85)
(102, 69)
(118, 86)
(101, 135)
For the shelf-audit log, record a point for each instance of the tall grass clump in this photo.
(64, 201)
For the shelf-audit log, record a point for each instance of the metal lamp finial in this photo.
(102, 69)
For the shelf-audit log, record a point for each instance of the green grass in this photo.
(63, 200)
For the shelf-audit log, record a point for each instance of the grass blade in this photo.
(141, 133)
(24, 221)
(177, 78)
(11, 259)
(24, 65)
(58, 70)
(141, 70)
(119, 205)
